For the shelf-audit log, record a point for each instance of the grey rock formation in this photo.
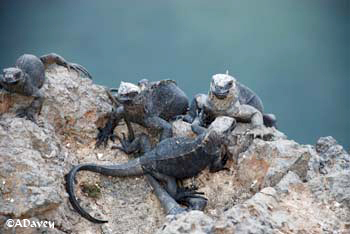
(274, 185)
(29, 185)
(190, 222)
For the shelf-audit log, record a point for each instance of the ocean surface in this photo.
(294, 54)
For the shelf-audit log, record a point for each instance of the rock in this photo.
(182, 129)
(272, 185)
(271, 212)
(330, 172)
(222, 124)
(31, 171)
(332, 157)
(266, 162)
(188, 222)
(289, 179)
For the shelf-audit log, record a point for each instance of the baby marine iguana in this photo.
(150, 104)
(227, 97)
(28, 76)
(171, 159)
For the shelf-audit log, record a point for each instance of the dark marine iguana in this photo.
(228, 97)
(150, 104)
(171, 159)
(28, 76)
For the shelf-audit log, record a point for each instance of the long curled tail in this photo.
(132, 168)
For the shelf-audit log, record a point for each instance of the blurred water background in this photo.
(294, 54)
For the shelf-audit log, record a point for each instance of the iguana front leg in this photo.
(132, 144)
(249, 114)
(161, 125)
(52, 58)
(219, 162)
(140, 143)
(195, 107)
(106, 132)
(34, 108)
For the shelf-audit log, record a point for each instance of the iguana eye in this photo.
(230, 83)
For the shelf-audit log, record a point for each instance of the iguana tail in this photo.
(131, 168)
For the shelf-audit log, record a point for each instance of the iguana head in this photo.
(127, 92)
(12, 76)
(223, 91)
(223, 86)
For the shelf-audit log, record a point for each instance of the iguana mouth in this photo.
(11, 82)
(124, 99)
(11, 76)
(221, 94)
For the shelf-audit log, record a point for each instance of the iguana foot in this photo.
(27, 113)
(184, 194)
(79, 69)
(125, 144)
(197, 203)
(104, 134)
(187, 118)
(260, 132)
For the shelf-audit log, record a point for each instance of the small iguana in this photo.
(228, 97)
(150, 104)
(171, 159)
(28, 76)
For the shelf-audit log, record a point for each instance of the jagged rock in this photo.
(189, 222)
(289, 179)
(272, 185)
(266, 162)
(31, 172)
(319, 205)
(182, 129)
(330, 172)
(271, 212)
(332, 157)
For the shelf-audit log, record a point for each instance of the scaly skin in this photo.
(151, 105)
(172, 159)
(28, 76)
(227, 97)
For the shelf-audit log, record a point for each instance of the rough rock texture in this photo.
(273, 185)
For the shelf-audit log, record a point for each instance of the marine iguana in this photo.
(150, 104)
(171, 159)
(28, 76)
(228, 97)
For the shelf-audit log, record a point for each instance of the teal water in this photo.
(294, 54)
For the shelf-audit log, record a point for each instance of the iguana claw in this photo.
(79, 69)
(26, 113)
(103, 136)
